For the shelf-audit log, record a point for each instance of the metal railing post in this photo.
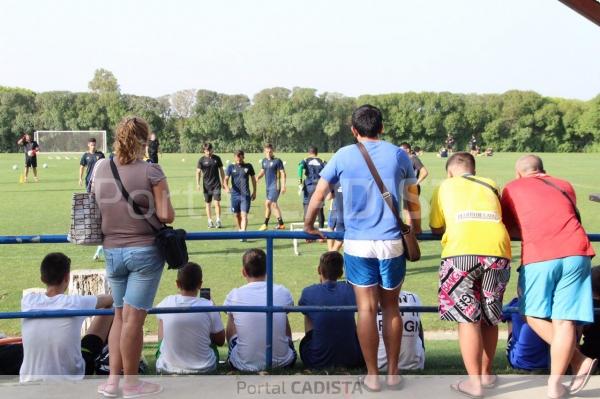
(269, 314)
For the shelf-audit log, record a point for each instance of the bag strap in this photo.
(385, 194)
(494, 190)
(563, 192)
(130, 201)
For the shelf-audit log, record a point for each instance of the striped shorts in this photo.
(471, 287)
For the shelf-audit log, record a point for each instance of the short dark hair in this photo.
(207, 147)
(238, 153)
(596, 280)
(268, 145)
(313, 150)
(332, 265)
(462, 158)
(367, 120)
(91, 140)
(189, 277)
(417, 149)
(405, 144)
(255, 262)
(55, 266)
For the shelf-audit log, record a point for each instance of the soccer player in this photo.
(310, 169)
(88, 160)
(152, 148)
(240, 173)
(210, 167)
(421, 171)
(31, 148)
(274, 173)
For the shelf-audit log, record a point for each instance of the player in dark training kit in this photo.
(210, 167)
(274, 173)
(241, 196)
(152, 148)
(31, 148)
(88, 160)
(308, 177)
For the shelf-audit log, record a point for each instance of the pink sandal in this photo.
(144, 388)
(109, 389)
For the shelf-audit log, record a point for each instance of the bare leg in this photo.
(100, 327)
(218, 209)
(243, 221)
(276, 209)
(208, 212)
(367, 299)
(26, 173)
(267, 209)
(238, 221)
(114, 348)
(34, 173)
(489, 335)
(471, 349)
(131, 342)
(392, 331)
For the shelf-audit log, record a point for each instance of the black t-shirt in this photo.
(90, 160)
(240, 175)
(210, 171)
(30, 145)
(153, 147)
(416, 164)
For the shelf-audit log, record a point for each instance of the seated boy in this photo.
(245, 331)
(330, 339)
(525, 350)
(412, 350)
(187, 337)
(591, 332)
(53, 348)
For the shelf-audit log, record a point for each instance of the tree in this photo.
(182, 102)
(104, 81)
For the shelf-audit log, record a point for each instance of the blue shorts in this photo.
(369, 263)
(272, 194)
(240, 203)
(557, 289)
(134, 274)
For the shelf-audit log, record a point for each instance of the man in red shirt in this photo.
(554, 279)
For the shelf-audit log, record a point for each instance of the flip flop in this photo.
(456, 388)
(361, 381)
(491, 384)
(563, 395)
(586, 378)
(397, 386)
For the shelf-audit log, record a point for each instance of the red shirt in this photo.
(545, 218)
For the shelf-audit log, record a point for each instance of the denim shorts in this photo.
(134, 274)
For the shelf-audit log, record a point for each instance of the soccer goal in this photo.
(69, 141)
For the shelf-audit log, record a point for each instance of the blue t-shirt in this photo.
(366, 215)
(240, 174)
(334, 341)
(525, 349)
(271, 168)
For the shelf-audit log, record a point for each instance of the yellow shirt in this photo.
(472, 216)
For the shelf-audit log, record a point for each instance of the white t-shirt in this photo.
(249, 353)
(52, 347)
(412, 352)
(185, 347)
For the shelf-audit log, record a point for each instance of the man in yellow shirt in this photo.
(475, 266)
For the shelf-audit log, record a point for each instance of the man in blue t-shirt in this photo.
(330, 339)
(308, 177)
(274, 174)
(525, 350)
(240, 173)
(373, 251)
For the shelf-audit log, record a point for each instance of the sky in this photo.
(345, 46)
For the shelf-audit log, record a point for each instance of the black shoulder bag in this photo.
(170, 241)
(411, 245)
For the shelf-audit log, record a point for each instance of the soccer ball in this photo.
(45, 166)
(31, 153)
(15, 167)
(182, 159)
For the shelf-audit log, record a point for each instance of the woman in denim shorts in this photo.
(133, 263)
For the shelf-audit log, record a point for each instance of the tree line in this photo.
(293, 119)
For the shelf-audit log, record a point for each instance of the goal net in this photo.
(69, 141)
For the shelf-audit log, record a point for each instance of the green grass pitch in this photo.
(44, 208)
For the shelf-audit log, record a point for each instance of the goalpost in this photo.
(69, 141)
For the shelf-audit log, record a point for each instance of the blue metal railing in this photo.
(269, 309)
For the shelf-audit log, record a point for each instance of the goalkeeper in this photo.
(308, 176)
(31, 149)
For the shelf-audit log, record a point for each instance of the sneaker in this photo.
(96, 257)
(263, 227)
(211, 225)
(218, 224)
(280, 227)
(144, 388)
(108, 389)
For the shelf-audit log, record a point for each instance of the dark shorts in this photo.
(153, 158)
(212, 194)
(272, 194)
(336, 224)
(240, 203)
(308, 191)
(31, 162)
(472, 287)
(91, 348)
(11, 358)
